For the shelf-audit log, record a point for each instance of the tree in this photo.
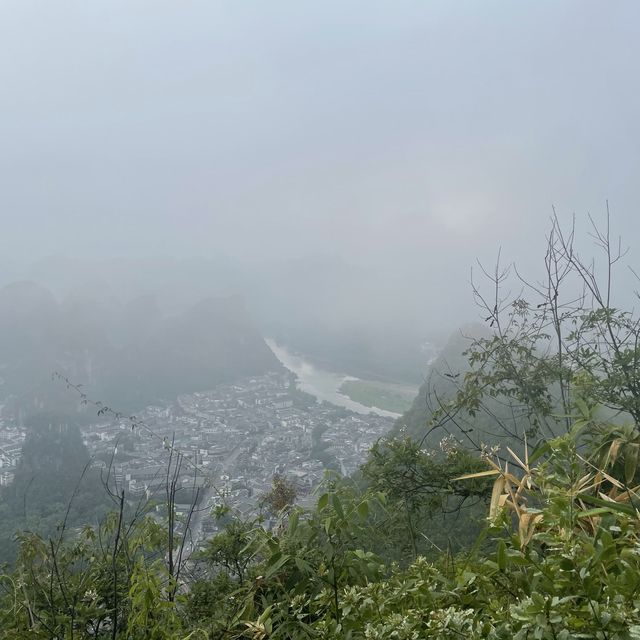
(554, 342)
(281, 496)
(54, 485)
(230, 550)
(420, 489)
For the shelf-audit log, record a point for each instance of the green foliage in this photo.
(280, 497)
(53, 478)
(91, 584)
(560, 559)
(577, 575)
(230, 551)
(420, 489)
(151, 615)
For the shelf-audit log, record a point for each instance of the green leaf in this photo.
(598, 511)
(582, 406)
(363, 509)
(274, 568)
(293, 522)
(612, 506)
(303, 567)
(631, 462)
(539, 451)
(502, 556)
(337, 505)
(328, 523)
(265, 614)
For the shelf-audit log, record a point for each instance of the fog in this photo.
(339, 165)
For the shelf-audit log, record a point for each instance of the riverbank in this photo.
(385, 395)
(338, 388)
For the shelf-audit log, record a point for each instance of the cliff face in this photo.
(125, 355)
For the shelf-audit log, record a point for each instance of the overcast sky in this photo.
(420, 134)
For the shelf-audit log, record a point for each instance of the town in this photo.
(11, 439)
(227, 444)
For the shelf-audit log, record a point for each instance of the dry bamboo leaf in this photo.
(480, 474)
(511, 478)
(517, 459)
(604, 474)
(612, 480)
(583, 481)
(598, 478)
(513, 498)
(613, 451)
(526, 527)
(524, 484)
(498, 487)
(624, 497)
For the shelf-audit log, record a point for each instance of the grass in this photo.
(382, 395)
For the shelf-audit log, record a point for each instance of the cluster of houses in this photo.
(226, 445)
(11, 439)
(222, 446)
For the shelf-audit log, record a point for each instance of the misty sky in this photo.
(416, 134)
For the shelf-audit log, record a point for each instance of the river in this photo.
(323, 384)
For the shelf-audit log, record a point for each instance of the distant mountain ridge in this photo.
(127, 354)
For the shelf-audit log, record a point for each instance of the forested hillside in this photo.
(127, 354)
(54, 487)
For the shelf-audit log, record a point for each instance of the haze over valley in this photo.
(319, 320)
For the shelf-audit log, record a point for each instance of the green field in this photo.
(383, 395)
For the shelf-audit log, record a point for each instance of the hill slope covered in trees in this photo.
(127, 355)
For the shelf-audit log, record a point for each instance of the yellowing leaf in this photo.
(526, 527)
(517, 459)
(498, 489)
(631, 462)
(479, 474)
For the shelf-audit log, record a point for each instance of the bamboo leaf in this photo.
(615, 506)
(526, 527)
(274, 568)
(479, 474)
(498, 488)
(517, 458)
(502, 556)
(613, 451)
(539, 451)
(631, 462)
(337, 505)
